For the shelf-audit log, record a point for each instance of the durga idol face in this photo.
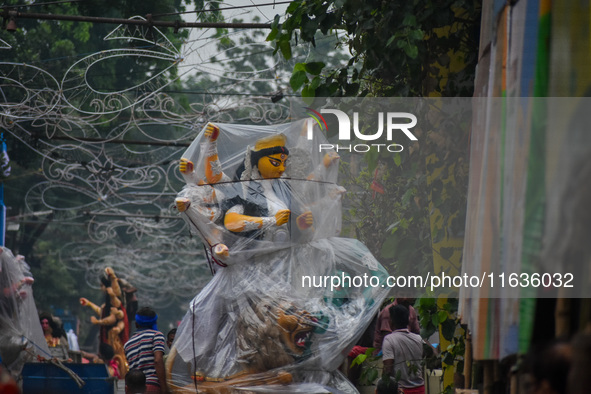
(272, 166)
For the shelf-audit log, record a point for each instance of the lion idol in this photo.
(267, 207)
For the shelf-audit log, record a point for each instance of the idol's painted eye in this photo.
(274, 162)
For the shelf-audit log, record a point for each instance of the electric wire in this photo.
(224, 8)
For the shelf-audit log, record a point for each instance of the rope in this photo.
(193, 343)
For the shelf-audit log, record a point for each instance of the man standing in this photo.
(403, 352)
(145, 350)
(382, 327)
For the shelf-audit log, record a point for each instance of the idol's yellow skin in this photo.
(270, 167)
(273, 166)
(186, 166)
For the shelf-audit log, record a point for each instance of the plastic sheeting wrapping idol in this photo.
(266, 204)
(21, 337)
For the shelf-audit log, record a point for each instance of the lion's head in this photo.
(273, 334)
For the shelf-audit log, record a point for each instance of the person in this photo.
(106, 355)
(135, 382)
(145, 350)
(402, 353)
(382, 327)
(548, 367)
(579, 379)
(58, 345)
(169, 340)
(170, 337)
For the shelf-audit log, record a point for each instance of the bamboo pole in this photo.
(468, 361)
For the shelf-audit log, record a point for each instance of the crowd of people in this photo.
(138, 358)
(144, 352)
(558, 367)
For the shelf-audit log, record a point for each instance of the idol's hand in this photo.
(212, 132)
(330, 158)
(110, 273)
(282, 216)
(182, 203)
(305, 220)
(221, 250)
(186, 166)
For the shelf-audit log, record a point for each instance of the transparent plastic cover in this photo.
(21, 337)
(273, 318)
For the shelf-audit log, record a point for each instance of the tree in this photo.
(398, 48)
(55, 44)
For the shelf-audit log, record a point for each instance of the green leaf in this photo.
(409, 20)
(314, 68)
(391, 40)
(427, 302)
(442, 316)
(309, 101)
(453, 305)
(273, 34)
(292, 7)
(411, 51)
(435, 320)
(372, 375)
(426, 332)
(416, 35)
(285, 47)
(324, 91)
(397, 159)
(407, 196)
(297, 79)
(448, 329)
(448, 359)
(275, 22)
(315, 83)
(358, 360)
(299, 67)
(308, 91)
